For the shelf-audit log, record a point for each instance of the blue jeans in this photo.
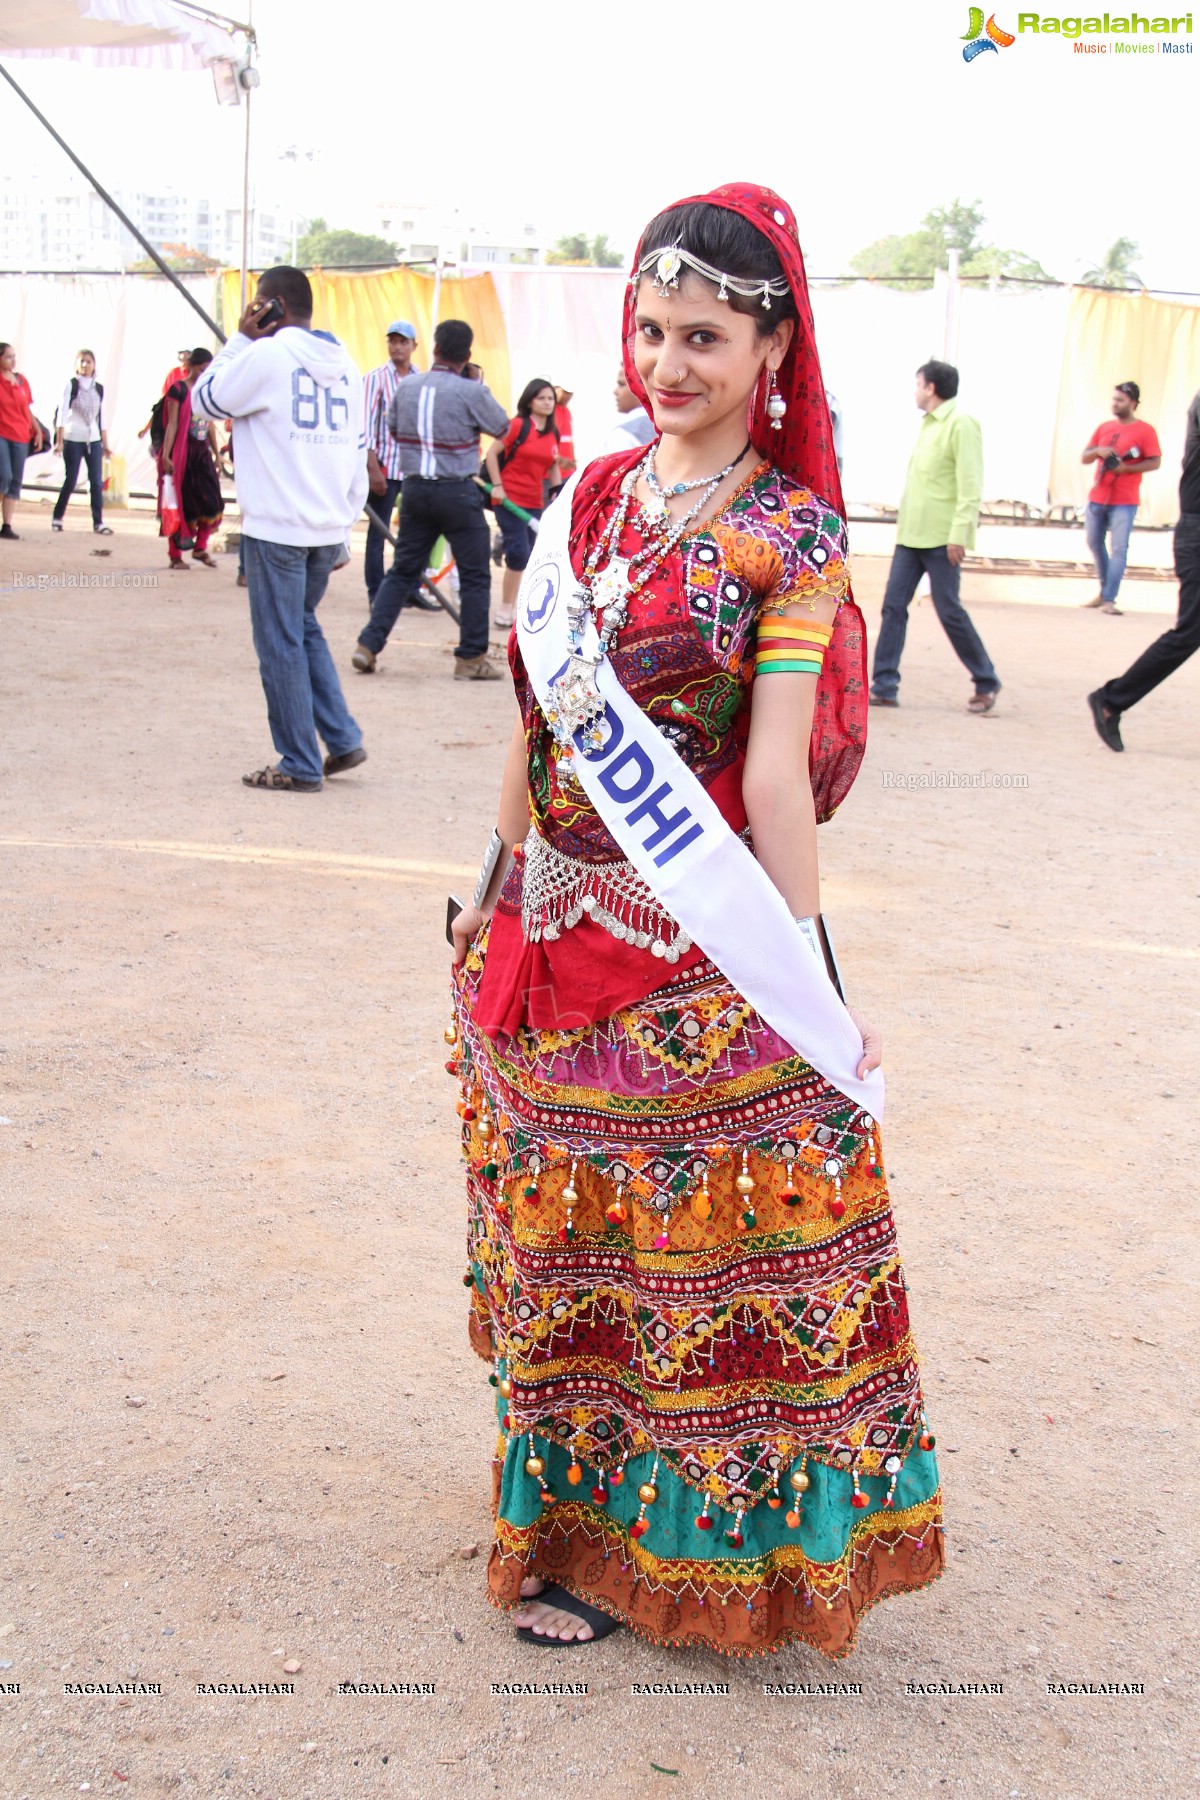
(385, 505)
(73, 455)
(434, 509)
(1110, 566)
(908, 566)
(304, 695)
(13, 452)
(518, 536)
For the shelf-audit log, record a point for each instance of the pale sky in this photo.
(591, 117)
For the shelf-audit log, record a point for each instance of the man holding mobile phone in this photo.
(1125, 448)
(300, 455)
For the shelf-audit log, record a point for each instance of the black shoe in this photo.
(6, 531)
(874, 699)
(349, 759)
(423, 602)
(1108, 722)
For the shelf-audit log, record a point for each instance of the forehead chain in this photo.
(668, 265)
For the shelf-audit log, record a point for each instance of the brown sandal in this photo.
(279, 782)
(202, 556)
(981, 703)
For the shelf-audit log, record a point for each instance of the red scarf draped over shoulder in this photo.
(803, 451)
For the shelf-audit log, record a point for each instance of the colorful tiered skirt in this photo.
(684, 1278)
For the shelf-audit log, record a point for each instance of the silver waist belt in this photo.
(558, 891)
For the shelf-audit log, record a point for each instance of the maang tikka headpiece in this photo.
(668, 266)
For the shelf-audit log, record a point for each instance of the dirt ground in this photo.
(241, 1425)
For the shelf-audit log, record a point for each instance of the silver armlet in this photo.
(491, 856)
(815, 933)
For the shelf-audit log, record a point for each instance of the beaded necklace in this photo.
(605, 593)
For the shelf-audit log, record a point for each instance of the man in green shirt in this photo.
(935, 528)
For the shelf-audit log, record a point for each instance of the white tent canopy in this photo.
(133, 33)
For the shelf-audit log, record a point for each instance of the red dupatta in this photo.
(803, 451)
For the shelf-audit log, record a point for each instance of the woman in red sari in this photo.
(190, 503)
(682, 1258)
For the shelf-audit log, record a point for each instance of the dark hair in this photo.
(3, 347)
(731, 244)
(452, 341)
(529, 394)
(942, 378)
(199, 358)
(1131, 388)
(80, 353)
(292, 286)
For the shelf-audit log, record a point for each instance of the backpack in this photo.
(158, 424)
(75, 396)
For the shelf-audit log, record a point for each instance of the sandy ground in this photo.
(241, 1425)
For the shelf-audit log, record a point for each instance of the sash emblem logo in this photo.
(542, 597)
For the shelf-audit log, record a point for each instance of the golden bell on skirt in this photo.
(535, 1466)
(647, 1493)
(799, 1481)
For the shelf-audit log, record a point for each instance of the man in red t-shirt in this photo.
(1125, 449)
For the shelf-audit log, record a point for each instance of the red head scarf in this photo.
(803, 451)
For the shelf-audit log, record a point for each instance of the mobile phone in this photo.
(271, 311)
(453, 908)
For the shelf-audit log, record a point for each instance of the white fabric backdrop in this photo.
(1020, 375)
(133, 323)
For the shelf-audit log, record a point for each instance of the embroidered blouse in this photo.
(686, 655)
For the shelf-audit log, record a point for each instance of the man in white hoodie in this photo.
(300, 460)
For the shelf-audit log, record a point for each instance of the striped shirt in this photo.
(437, 419)
(378, 387)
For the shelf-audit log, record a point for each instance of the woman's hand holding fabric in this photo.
(872, 1037)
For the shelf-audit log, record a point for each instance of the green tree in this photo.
(919, 254)
(336, 249)
(1116, 270)
(990, 261)
(179, 257)
(583, 252)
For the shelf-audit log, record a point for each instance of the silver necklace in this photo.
(687, 487)
(576, 704)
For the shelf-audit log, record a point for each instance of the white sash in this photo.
(673, 834)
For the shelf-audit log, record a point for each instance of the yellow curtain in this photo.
(359, 308)
(1115, 337)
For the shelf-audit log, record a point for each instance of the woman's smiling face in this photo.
(699, 360)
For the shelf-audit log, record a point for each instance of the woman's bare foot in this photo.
(551, 1621)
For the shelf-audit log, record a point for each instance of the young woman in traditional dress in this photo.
(683, 1265)
(190, 460)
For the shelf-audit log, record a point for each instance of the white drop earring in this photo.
(776, 404)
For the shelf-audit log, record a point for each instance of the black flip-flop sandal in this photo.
(602, 1623)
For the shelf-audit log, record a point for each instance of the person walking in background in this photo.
(520, 466)
(80, 437)
(564, 426)
(19, 434)
(189, 469)
(295, 398)
(180, 371)
(935, 527)
(1173, 648)
(383, 452)
(437, 418)
(633, 424)
(1126, 449)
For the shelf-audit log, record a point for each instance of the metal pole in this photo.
(437, 286)
(245, 205)
(108, 200)
(953, 295)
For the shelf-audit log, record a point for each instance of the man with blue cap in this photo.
(383, 452)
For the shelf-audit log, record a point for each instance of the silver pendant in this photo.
(611, 586)
(575, 700)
